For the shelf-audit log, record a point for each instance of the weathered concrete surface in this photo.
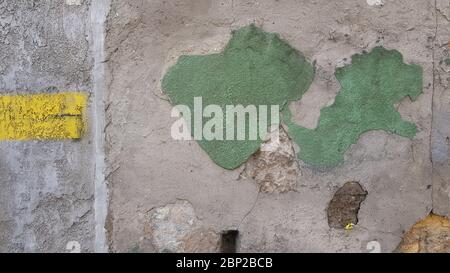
(46, 194)
(147, 169)
(51, 192)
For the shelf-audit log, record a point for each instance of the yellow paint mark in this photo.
(42, 116)
(349, 226)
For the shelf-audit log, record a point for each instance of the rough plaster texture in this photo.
(148, 169)
(46, 187)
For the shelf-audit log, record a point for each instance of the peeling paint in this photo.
(371, 86)
(42, 116)
(256, 68)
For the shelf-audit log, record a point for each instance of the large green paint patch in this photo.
(371, 85)
(256, 68)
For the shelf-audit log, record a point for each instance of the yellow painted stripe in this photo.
(42, 116)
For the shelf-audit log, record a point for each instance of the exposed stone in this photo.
(344, 207)
(430, 235)
(175, 228)
(275, 167)
(200, 240)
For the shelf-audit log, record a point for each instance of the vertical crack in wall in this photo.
(440, 124)
(433, 54)
(99, 11)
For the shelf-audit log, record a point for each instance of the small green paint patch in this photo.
(371, 85)
(256, 68)
(447, 61)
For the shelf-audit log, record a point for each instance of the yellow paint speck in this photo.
(349, 226)
(42, 116)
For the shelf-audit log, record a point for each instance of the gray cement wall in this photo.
(47, 190)
(167, 195)
(153, 177)
(440, 137)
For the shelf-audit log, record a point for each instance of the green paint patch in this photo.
(256, 68)
(259, 68)
(371, 85)
(447, 61)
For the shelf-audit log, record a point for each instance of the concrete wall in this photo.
(441, 111)
(167, 195)
(47, 190)
(153, 177)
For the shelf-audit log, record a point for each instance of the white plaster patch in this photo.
(74, 2)
(375, 2)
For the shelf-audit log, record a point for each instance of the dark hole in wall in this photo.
(344, 207)
(229, 241)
